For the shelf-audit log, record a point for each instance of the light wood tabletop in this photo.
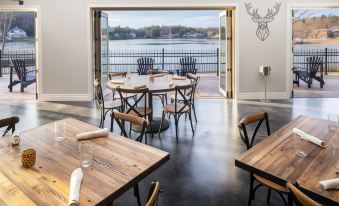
(160, 84)
(274, 158)
(119, 163)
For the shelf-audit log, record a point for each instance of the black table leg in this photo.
(137, 194)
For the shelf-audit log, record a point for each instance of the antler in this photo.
(271, 13)
(253, 13)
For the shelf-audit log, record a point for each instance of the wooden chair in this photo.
(112, 75)
(121, 118)
(25, 77)
(105, 105)
(299, 197)
(259, 118)
(145, 64)
(9, 123)
(179, 108)
(194, 80)
(153, 194)
(187, 65)
(161, 95)
(314, 67)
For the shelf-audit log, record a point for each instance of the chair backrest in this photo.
(144, 65)
(98, 94)
(314, 64)
(121, 118)
(194, 80)
(299, 197)
(184, 93)
(9, 123)
(188, 65)
(258, 118)
(153, 194)
(116, 74)
(19, 67)
(129, 107)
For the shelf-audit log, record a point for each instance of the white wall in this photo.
(65, 44)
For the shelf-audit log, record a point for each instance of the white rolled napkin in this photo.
(74, 190)
(158, 75)
(140, 86)
(93, 134)
(15, 140)
(171, 83)
(330, 184)
(178, 78)
(309, 138)
(115, 81)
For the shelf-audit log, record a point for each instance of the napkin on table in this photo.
(178, 78)
(115, 81)
(92, 134)
(330, 184)
(74, 190)
(309, 138)
(171, 83)
(140, 86)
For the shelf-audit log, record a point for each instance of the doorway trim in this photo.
(289, 43)
(38, 48)
(164, 6)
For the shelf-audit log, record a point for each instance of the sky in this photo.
(138, 19)
(320, 12)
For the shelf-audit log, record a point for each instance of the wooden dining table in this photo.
(119, 164)
(160, 84)
(274, 158)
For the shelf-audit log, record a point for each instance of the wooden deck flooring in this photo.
(330, 90)
(29, 93)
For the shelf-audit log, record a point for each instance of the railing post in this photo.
(217, 61)
(326, 63)
(0, 63)
(163, 59)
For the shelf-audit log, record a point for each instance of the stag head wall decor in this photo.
(262, 31)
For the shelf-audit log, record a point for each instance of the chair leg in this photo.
(176, 120)
(250, 195)
(190, 118)
(112, 123)
(161, 122)
(268, 195)
(289, 199)
(101, 118)
(137, 194)
(195, 116)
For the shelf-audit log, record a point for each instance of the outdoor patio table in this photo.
(274, 158)
(119, 164)
(160, 84)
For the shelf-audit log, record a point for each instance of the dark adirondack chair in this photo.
(314, 70)
(145, 64)
(187, 65)
(25, 77)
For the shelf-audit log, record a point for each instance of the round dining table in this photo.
(156, 84)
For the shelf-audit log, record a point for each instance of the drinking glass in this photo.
(5, 142)
(300, 146)
(333, 122)
(336, 154)
(60, 130)
(86, 154)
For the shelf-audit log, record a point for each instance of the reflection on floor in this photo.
(330, 90)
(29, 93)
(201, 170)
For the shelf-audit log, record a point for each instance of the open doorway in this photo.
(18, 71)
(315, 52)
(167, 36)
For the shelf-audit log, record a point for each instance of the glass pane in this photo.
(104, 46)
(222, 47)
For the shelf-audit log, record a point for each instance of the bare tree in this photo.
(5, 25)
(302, 14)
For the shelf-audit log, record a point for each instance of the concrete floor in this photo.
(201, 170)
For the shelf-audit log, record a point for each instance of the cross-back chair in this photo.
(179, 108)
(259, 119)
(299, 197)
(113, 75)
(9, 123)
(153, 194)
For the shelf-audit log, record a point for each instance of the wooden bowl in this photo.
(28, 158)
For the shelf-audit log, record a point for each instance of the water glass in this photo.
(60, 130)
(333, 122)
(86, 154)
(300, 146)
(336, 154)
(5, 142)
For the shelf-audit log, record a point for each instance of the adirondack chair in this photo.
(314, 70)
(187, 65)
(25, 77)
(145, 64)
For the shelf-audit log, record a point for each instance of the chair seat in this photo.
(270, 184)
(109, 104)
(171, 108)
(30, 78)
(141, 110)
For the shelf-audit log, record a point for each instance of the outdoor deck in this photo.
(330, 90)
(29, 93)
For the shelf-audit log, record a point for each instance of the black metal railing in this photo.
(330, 58)
(5, 57)
(119, 61)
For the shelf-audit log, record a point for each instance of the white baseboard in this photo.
(65, 97)
(261, 95)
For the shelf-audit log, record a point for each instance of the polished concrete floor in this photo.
(201, 170)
